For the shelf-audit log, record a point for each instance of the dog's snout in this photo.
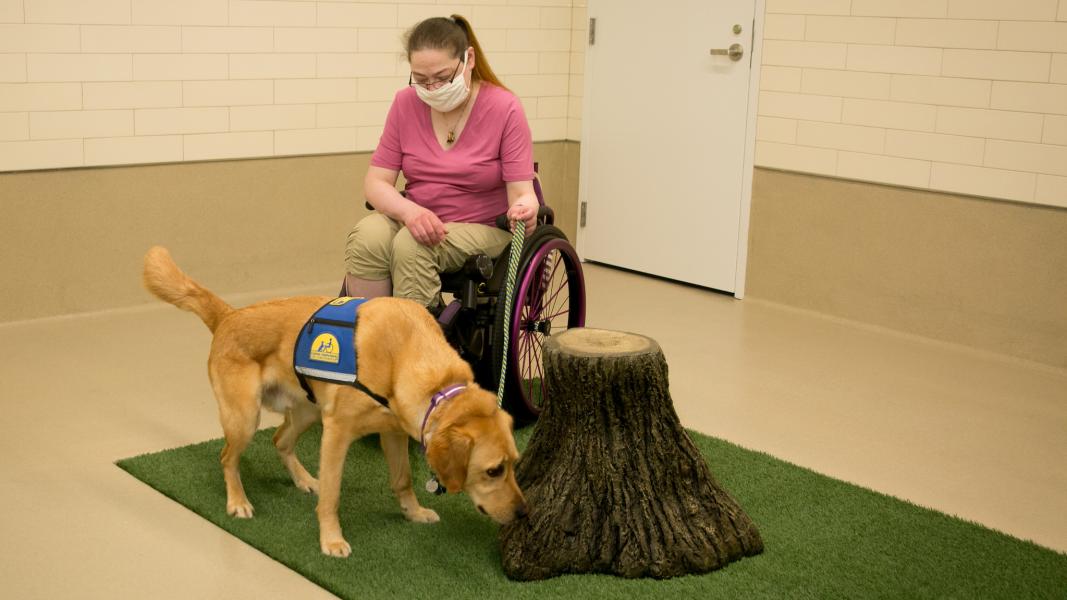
(522, 511)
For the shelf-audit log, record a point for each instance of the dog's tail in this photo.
(167, 282)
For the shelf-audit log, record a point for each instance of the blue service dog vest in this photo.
(326, 347)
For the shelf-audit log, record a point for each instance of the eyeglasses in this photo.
(433, 84)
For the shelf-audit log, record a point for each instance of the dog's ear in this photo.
(448, 455)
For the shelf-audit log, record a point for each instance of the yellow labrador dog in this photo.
(402, 355)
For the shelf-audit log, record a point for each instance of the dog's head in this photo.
(473, 450)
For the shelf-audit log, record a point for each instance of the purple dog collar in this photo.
(438, 399)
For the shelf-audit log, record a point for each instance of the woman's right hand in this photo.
(424, 226)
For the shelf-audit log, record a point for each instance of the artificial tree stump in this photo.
(614, 482)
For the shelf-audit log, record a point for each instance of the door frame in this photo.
(755, 54)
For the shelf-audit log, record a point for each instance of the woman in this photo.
(462, 141)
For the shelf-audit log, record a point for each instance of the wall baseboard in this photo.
(982, 273)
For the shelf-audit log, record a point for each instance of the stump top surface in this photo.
(603, 342)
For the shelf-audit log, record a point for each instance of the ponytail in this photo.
(482, 70)
(455, 34)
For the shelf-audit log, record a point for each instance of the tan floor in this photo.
(967, 433)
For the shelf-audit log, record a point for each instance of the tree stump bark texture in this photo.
(614, 482)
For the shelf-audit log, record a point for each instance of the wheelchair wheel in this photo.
(549, 298)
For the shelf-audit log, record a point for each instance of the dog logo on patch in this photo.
(326, 349)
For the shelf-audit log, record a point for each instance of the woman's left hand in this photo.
(521, 211)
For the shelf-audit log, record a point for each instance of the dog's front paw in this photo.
(422, 515)
(338, 548)
(240, 509)
(309, 485)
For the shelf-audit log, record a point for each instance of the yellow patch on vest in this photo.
(325, 348)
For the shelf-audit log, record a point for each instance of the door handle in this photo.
(735, 52)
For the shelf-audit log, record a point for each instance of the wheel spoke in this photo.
(539, 363)
(536, 290)
(527, 359)
(532, 303)
(559, 320)
(554, 316)
(529, 341)
(563, 286)
(551, 301)
(547, 271)
(524, 318)
(524, 348)
(561, 305)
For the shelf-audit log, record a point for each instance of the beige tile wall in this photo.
(966, 96)
(113, 82)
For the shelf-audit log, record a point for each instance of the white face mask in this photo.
(448, 96)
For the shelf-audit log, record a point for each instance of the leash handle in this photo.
(517, 239)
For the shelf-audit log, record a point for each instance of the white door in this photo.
(666, 132)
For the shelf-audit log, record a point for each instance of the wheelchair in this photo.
(549, 297)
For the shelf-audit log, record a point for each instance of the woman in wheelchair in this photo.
(463, 143)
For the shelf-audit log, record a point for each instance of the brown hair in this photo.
(453, 34)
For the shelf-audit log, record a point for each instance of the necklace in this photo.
(451, 139)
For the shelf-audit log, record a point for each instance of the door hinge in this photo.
(592, 30)
(581, 218)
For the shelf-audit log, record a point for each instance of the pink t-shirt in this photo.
(466, 183)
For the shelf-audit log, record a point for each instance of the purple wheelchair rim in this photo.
(522, 340)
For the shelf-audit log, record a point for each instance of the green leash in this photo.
(509, 293)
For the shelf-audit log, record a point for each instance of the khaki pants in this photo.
(380, 248)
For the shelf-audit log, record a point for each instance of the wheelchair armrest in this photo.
(545, 216)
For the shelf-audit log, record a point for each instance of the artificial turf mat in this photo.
(824, 538)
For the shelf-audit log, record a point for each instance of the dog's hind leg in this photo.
(297, 419)
(239, 415)
(395, 447)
